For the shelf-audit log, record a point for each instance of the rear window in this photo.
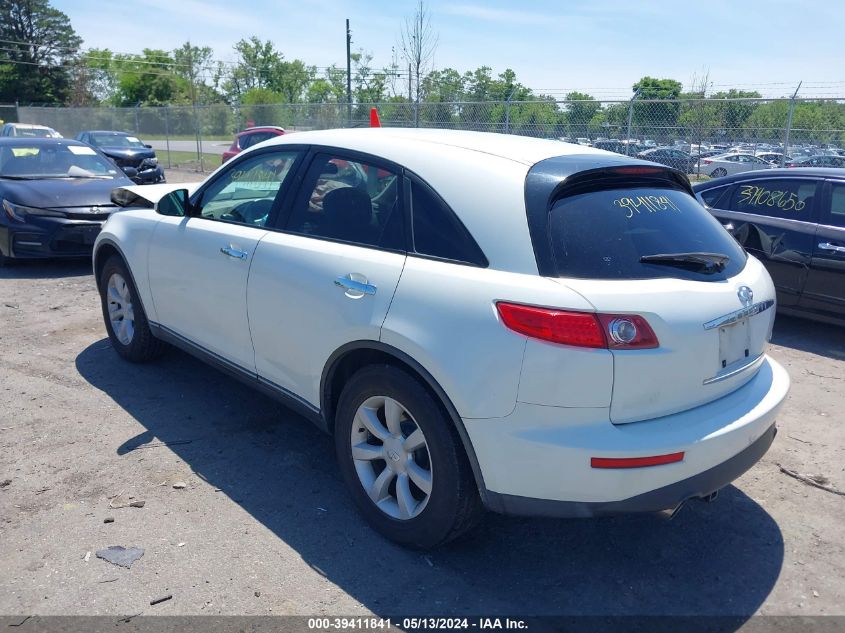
(603, 234)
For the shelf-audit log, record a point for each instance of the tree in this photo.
(39, 48)
(580, 108)
(418, 41)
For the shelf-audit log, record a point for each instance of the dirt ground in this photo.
(264, 525)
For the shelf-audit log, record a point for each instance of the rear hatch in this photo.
(636, 244)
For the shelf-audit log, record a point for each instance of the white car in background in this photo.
(480, 320)
(28, 130)
(729, 164)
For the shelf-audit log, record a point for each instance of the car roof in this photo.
(31, 126)
(391, 143)
(37, 141)
(116, 132)
(261, 128)
(794, 172)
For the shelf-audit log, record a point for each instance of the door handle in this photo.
(231, 251)
(827, 246)
(355, 287)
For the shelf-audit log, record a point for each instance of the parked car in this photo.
(138, 160)
(608, 356)
(792, 220)
(671, 157)
(251, 136)
(819, 160)
(28, 130)
(55, 196)
(728, 164)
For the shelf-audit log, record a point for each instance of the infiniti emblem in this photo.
(393, 455)
(746, 295)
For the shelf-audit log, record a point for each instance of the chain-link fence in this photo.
(190, 134)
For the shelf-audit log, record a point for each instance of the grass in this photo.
(187, 160)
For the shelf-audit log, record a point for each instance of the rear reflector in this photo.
(580, 329)
(635, 462)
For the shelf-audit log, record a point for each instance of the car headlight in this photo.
(18, 212)
(153, 161)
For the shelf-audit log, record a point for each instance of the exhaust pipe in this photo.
(710, 498)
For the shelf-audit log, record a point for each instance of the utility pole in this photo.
(789, 124)
(348, 75)
(194, 105)
(410, 86)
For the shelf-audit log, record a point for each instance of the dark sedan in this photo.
(823, 160)
(55, 195)
(128, 152)
(670, 157)
(793, 220)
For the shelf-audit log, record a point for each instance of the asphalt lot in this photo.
(264, 525)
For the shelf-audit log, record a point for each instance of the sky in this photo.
(601, 47)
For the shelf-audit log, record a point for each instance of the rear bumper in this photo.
(537, 461)
(665, 498)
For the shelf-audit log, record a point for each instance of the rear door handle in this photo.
(231, 251)
(827, 246)
(355, 288)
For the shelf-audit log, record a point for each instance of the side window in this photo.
(717, 197)
(438, 232)
(245, 193)
(837, 205)
(352, 201)
(786, 198)
(245, 141)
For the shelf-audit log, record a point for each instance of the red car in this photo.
(250, 137)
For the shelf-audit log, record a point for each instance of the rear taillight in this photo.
(580, 329)
(705, 161)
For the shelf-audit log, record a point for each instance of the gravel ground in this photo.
(264, 525)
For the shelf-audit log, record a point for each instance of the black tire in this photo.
(718, 172)
(453, 506)
(142, 346)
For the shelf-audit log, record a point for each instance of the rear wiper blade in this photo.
(19, 177)
(708, 262)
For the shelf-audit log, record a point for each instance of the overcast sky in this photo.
(597, 46)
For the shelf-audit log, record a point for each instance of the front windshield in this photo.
(115, 140)
(53, 161)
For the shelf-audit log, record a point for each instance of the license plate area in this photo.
(734, 343)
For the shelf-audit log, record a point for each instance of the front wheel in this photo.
(402, 459)
(126, 322)
(718, 172)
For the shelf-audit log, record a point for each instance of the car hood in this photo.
(57, 193)
(147, 195)
(124, 152)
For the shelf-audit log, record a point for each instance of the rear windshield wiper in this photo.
(703, 262)
(18, 177)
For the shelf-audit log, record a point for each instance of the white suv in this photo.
(480, 320)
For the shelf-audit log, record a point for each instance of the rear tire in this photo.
(402, 459)
(718, 172)
(126, 323)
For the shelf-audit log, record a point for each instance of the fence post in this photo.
(167, 133)
(789, 125)
(630, 119)
(508, 111)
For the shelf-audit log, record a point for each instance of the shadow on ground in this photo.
(810, 336)
(721, 558)
(46, 268)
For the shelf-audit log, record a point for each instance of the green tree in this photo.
(38, 50)
(580, 110)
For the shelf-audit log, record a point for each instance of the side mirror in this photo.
(176, 203)
(130, 172)
(148, 146)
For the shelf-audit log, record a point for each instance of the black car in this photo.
(128, 152)
(793, 220)
(55, 195)
(822, 160)
(670, 157)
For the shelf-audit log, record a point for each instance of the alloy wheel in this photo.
(121, 312)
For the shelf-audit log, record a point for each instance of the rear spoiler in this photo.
(146, 196)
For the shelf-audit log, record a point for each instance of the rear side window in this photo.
(717, 197)
(789, 198)
(438, 232)
(604, 234)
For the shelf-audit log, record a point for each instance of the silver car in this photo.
(733, 163)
